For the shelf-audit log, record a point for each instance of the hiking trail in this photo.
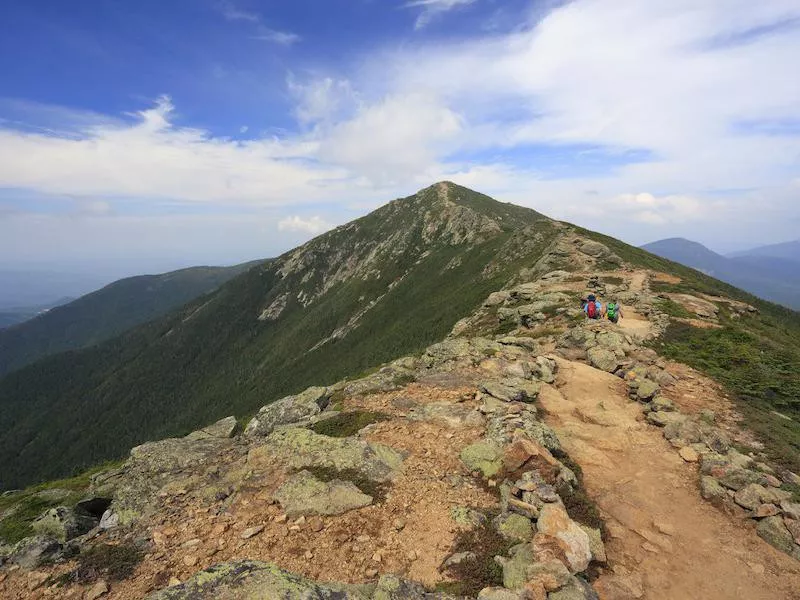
(665, 541)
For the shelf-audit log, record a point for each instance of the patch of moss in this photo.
(673, 309)
(613, 280)
(473, 574)
(580, 507)
(347, 424)
(402, 379)
(104, 561)
(23, 507)
(372, 488)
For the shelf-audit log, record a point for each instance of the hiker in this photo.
(593, 308)
(613, 311)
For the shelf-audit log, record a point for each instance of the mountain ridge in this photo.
(106, 313)
(385, 285)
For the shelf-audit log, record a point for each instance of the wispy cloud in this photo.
(434, 8)
(284, 38)
(263, 32)
(232, 13)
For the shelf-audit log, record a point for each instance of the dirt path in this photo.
(665, 542)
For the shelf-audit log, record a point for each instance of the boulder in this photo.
(150, 467)
(300, 448)
(711, 489)
(717, 440)
(594, 249)
(515, 568)
(63, 523)
(773, 531)
(223, 429)
(526, 453)
(574, 541)
(513, 526)
(791, 509)
(794, 528)
(392, 587)
(32, 552)
(550, 575)
(736, 478)
(453, 415)
(662, 418)
(544, 369)
(576, 589)
(304, 494)
(749, 496)
(595, 543)
(288, 410)
(765, 510)
(647, 390)
(662, 404)
(467, 517)
(485, 456)
(248, 579)
(689, 454)
(512, 390)
(603, 359)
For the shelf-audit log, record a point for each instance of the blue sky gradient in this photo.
(142, 136)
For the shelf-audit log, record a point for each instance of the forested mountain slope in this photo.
(106, 313)
(381, 286)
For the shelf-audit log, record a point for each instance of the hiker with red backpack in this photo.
(593, 308)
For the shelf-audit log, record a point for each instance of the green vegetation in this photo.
(214, 357)
(759, 363)
(474, 574)
(107, 312)
(104, 561)
(372, 488)
(18, 510)
(580, 507)
(348, 423)
(673, 309)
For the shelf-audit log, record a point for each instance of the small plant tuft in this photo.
(348, 423)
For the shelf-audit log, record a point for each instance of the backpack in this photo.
(591, 310)
(611, 311)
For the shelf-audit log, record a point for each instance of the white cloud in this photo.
(433, 8)
(232, 13)
(321, 99)
(152, 158)
(672, 81)
(313, 225)
(283, 38)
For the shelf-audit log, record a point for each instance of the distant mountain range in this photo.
(103, 314)
(787, 250)
(18, 314)
(770, 272)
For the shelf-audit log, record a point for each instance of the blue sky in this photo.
(142, 136)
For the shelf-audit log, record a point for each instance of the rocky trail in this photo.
(532, 455)
(665, 540)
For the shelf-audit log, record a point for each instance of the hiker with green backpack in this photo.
(613, 311)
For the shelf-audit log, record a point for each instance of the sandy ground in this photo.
(666, 541)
